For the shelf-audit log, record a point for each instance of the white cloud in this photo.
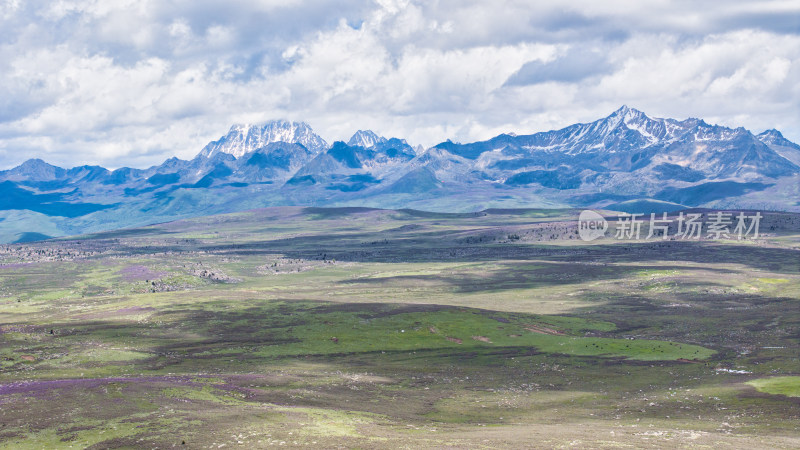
(132, 83)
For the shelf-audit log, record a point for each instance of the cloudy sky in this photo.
(133, 82)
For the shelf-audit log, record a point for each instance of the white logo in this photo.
(591, 225)
(719, 225)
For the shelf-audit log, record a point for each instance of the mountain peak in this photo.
(36, 169)
(774, 137)
(622, 110)
(366, 139)
(34, 163)
(628, 114)
(772, 133)
(269, 124)
(244, 138)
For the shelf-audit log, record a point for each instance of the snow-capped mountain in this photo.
(627, 158)
(774, 137)
(630, 142)
(784, 147)
(245, 138)
(366, 139)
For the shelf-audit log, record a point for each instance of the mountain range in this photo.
(626, 161)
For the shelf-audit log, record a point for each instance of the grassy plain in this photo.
(399, 329)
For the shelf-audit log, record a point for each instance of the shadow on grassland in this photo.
(505, 276)
(436, 247)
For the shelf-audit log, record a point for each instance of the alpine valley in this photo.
(627, 161)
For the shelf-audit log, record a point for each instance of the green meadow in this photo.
(363, 328)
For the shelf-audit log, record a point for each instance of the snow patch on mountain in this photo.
(246, 138)
(366, 139)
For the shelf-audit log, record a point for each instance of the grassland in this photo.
(788, 386)
(399, 329)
